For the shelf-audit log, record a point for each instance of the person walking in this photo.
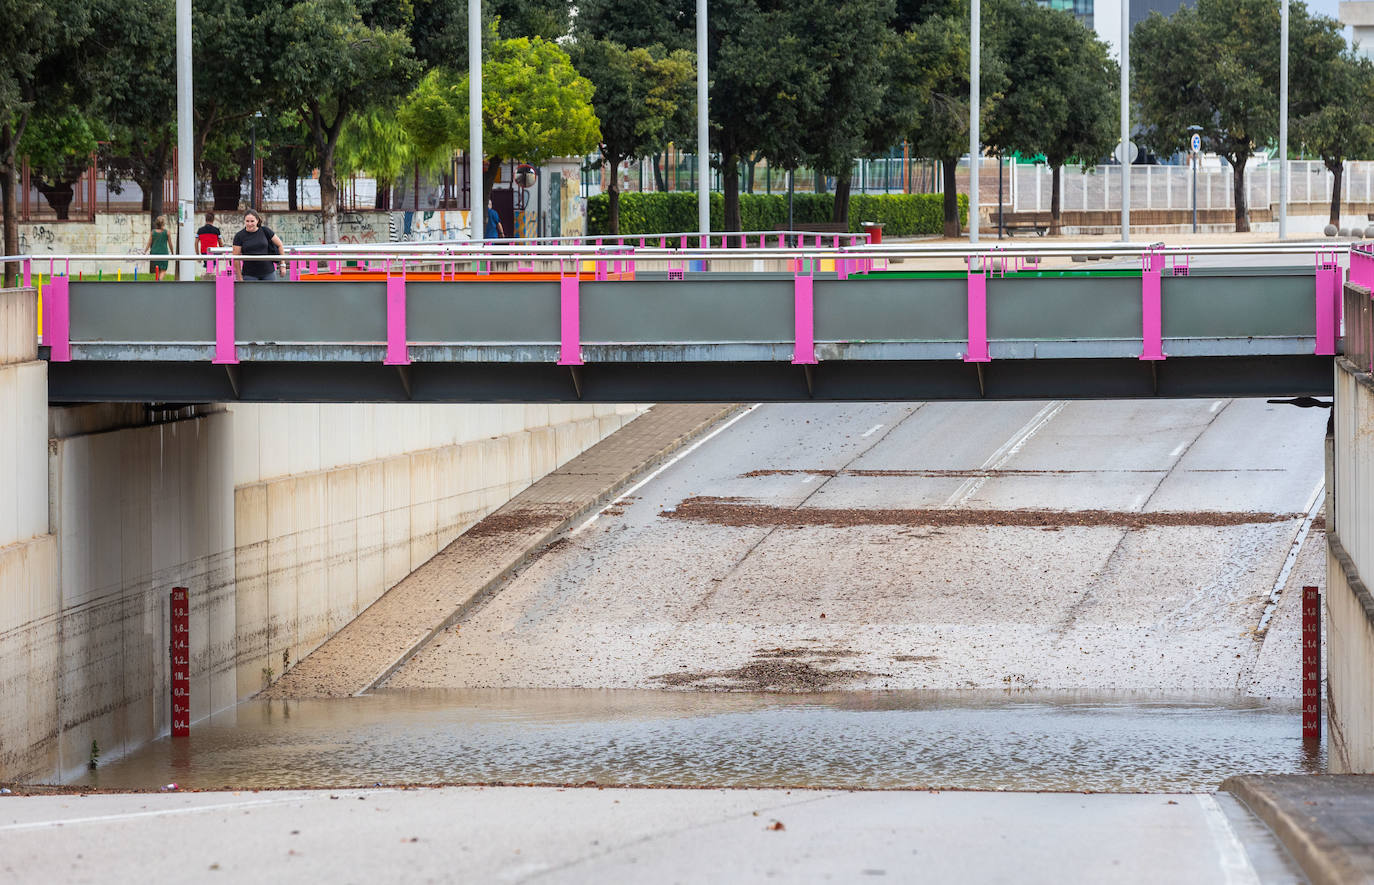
(256, 238)
(159, 243)
(493, 227)
(208, 237)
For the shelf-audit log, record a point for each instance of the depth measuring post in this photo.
(1311, 663)
(181, 662)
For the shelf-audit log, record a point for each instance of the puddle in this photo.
(864, 740)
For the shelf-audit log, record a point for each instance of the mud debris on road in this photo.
(735, 512)
(772, 669)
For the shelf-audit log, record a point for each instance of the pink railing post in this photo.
(1361, 267)
(977, 351)
(570, 345)
(57, 319)
(28, 273)
(804, 314)
(226, 352)
(397, 349)
(1151, 305)
(1327, 296)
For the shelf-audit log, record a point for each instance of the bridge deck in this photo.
(849, 334)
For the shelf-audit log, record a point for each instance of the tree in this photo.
(1064, 98)
(637, 95)
(854, 46)
(938, 48)
(58, 145)
(40, 65)
(336, 58)
(1216, 67)
(1337, 121)
(535, 106)
(136, 91)
(375, 142)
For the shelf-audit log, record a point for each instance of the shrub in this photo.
(903, 215)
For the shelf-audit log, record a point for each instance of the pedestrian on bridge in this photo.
(256, 238)
(159, 243)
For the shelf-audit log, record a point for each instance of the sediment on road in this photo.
(406, 617)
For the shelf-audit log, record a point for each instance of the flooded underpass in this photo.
(837, 740)
(1083, 597)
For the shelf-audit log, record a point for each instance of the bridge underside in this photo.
(90, 380)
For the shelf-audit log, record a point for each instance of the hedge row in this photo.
(904, 215)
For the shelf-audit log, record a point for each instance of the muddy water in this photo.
(937, 740)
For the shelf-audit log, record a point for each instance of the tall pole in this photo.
(477, 215)
(186, 179)
(703, 129)
(1283, 122)
(975, 38)
(1125, 157)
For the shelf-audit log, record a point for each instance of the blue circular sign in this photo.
(1196, 142)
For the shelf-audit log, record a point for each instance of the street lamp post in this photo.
(253, 162)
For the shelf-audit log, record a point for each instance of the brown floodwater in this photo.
(863, 740)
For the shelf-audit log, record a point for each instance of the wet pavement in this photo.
(838, 740)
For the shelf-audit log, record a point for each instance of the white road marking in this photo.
(1313, 505)
(1178, 450)
(810, 477)
(1216, 405)
(870, 431)
(676, 458)
(1236, 868)
(1004, 454)
(70, 821)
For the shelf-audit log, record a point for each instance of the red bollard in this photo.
(1311, 663)
(181, 662)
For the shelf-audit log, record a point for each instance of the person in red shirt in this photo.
(207, 238)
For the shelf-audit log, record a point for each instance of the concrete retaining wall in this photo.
(283, 520)
(322, 529)
(28, 553)
(1349, 606)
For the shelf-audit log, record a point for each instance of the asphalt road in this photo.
(844, 556)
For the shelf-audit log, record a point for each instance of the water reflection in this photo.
(935, 740)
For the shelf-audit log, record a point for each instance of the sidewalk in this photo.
(1325, 821)
(407, 616)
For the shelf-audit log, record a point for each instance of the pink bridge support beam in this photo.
(57, 319)
(226, 352)
(804, 317)
(977, 314)
(397, 351)
(570, 313)
(1151, 306)
(1328, 304)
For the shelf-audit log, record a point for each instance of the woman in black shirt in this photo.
(256, 239)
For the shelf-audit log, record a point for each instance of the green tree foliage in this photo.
(657, 213)
(1063, 101)
(58, 144)
(334, 60)
(1336, 119)
(39, 65)
(638, 94)
(667, 23)
(375, 143)
(858, 113)
(1216, 66)
(535, 106)
(135, 83)
(939, 50)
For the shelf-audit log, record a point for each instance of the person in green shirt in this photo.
(159, 243)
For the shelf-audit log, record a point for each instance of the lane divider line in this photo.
(676, 458)
(1314, 504)
(1236, 868)
(1005, 453)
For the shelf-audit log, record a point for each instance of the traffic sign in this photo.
(1195, 143)
(1134, 152)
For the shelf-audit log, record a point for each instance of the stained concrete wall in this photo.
(1350, 561)
(336, 504)
(29, 609)
(284, 522)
